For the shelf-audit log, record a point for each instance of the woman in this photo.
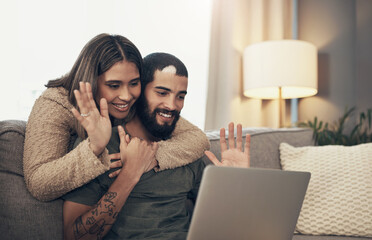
(50, 168)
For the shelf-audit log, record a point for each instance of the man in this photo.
(138, 205)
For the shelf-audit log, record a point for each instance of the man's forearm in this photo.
(95, 223)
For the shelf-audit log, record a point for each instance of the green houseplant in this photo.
(343, 131)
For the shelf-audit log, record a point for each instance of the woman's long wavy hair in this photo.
(97, 57)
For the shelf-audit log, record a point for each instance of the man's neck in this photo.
(135, 128)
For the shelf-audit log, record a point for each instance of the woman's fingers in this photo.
(116, 164)
(77, 115)
(155, 146)
(115, 160)
(89, 97)
(104, 108)
(114, 156)
(153, 163)
(114, 174)
(82, 99)
(78, 98)
(92, 107)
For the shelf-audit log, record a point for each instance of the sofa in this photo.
(23, 217)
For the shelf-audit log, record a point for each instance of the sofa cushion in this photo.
(21, 215)
(324, 237)
(339, 197)
(264, 150)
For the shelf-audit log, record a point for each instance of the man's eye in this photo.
(181, 97)
(162, 93)
(135, 83)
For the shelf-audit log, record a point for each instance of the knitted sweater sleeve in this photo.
(50, 170)
(186, 145)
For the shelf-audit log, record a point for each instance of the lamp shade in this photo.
(289, 64)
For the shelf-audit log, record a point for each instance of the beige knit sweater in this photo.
(51, 171)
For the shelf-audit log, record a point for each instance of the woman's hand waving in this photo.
(96, 122)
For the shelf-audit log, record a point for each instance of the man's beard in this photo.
(148, 119)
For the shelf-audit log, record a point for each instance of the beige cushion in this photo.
(339, 197)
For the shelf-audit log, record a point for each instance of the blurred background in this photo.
(41, 39)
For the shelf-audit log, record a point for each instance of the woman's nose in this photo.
(124, 94)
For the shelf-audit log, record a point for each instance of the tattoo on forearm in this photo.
(108, 204)
(79, 229)
(97, 227)
(90, 220)
(105, 206)
(94, 212)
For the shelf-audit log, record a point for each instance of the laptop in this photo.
(247, 203)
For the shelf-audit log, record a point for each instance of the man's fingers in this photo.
(231, 136)
(223, 144)
(127, 138)
(247, 144)
(239, 137)
(122, 136)
(213, 158)
(247, 147)
(121, 133)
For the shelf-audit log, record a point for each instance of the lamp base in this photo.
(280, 108)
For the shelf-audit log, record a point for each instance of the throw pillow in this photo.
(338, 200)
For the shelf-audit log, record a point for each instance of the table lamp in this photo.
(281, 69)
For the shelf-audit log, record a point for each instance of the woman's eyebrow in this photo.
(119, 81)
(113, 81)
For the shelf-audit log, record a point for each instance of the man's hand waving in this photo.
(233, 155)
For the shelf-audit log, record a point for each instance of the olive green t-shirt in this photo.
(156, 207)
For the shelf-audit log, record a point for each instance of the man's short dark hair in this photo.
(158, 61)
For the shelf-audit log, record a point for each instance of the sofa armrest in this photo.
(21, 215)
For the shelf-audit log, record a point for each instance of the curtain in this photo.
(235, 25)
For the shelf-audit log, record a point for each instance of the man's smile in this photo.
(165, 115)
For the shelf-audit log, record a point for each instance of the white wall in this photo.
(41, 39)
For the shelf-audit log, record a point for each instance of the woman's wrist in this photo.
(96, 150)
